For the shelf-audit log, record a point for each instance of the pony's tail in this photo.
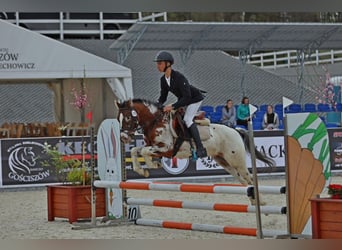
(260, 156)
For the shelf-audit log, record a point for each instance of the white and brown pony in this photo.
(227, 146)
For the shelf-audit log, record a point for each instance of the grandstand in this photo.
(217, 73)
(198, 48)
(209, 68)
(214, 71)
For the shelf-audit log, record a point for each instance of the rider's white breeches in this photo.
(190, 113)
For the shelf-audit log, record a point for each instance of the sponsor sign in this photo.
(270, 143)
(271, 146)
(335, 149)
(12, 60)
(22, 160)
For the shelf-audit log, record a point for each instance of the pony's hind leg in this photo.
(136, 164)
(240, 172)
(246, 179)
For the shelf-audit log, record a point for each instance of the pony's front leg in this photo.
(147, 153)
(136, 164)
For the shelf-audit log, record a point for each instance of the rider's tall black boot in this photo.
(200, 150)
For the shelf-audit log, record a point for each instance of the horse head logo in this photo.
(21, 159)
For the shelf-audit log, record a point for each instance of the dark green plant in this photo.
(68, 170)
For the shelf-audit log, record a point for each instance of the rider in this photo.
(188, 96)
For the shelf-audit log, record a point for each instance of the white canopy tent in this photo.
(28, 57)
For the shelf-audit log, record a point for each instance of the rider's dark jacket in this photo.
(180, 87)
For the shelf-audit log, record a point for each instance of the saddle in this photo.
(182, 131)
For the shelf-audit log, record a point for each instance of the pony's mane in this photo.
(143, 101)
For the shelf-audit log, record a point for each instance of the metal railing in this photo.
(287, 59)
(100, 26)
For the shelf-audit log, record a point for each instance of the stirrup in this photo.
(194, 156)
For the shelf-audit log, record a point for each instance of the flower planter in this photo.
(74, 202)
(326, 218)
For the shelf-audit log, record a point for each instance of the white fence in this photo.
(287, 59)
(62, 25)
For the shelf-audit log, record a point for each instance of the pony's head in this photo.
(127, 117)
(137, 113)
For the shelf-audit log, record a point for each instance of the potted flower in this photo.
(72, 198)
(335, 191)
(80, 102)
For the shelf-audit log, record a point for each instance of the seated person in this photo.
(270, 120)
(228, 114)
(243, 115)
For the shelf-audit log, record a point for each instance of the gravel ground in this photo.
(23, 215)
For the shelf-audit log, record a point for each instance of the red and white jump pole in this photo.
(189, 187)
(206, 227)
(239, 208)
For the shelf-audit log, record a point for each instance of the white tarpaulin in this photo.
(27, 56)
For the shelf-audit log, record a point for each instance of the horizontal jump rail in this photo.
(206, 206)
(206, 227)
(189, 187)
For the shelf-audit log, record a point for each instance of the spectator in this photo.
(270, 120)
(243, 115)
(228, 117)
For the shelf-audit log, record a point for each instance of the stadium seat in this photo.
(339, 107)
(331, 125)
(207, 108)
(257, 125)
(310, 107)
(215, 117)
(281, 120)
(280, 115)
(323, 107)
(218, 108)
(263, 107)
(278, 108)
(258, 116)
(294, 108)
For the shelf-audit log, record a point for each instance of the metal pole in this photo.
(255, 181)
(123, 178)
(287, 102)
(92, 165)
(243, 56)
(288, 215)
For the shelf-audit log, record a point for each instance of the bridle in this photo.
(129, 120)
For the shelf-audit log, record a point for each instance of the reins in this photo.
(162, 116)
(135, 125)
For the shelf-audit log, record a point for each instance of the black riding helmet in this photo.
(164, 56)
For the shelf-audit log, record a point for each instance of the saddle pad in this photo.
(204, 132)
(203, 122)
